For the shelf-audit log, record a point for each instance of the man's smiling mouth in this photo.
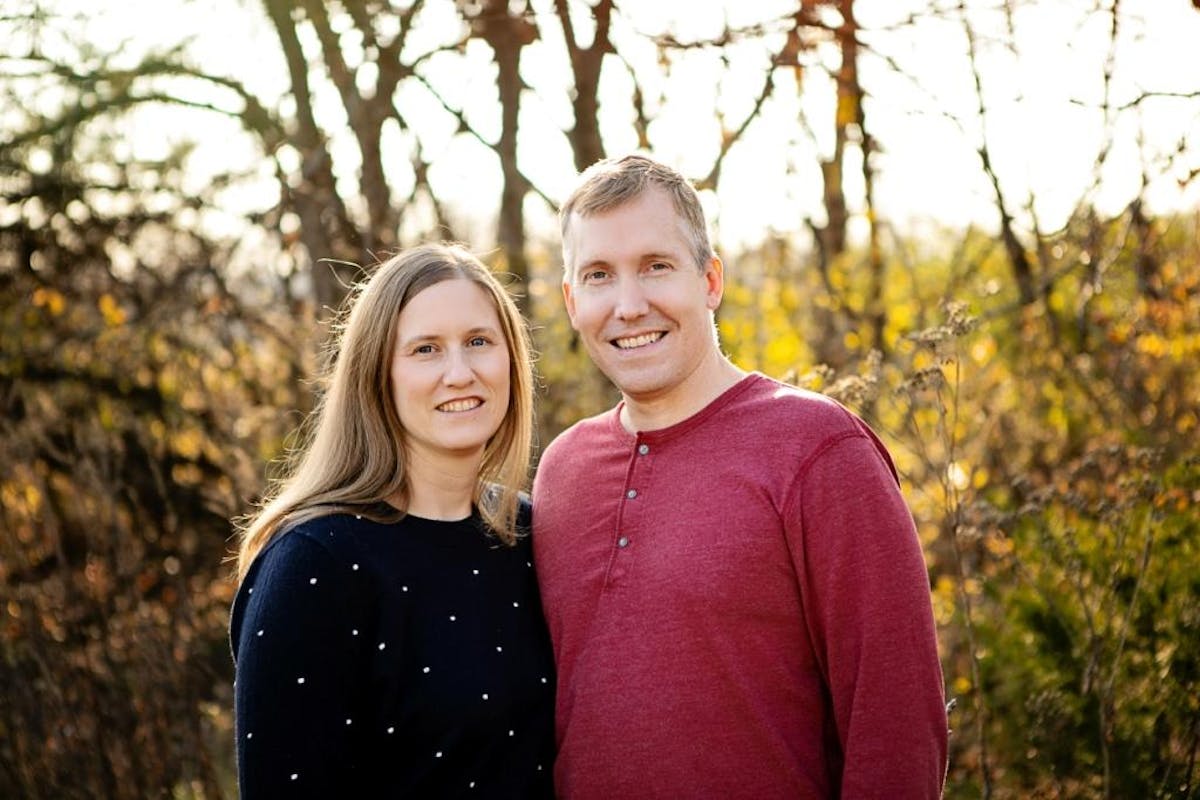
(632, 342)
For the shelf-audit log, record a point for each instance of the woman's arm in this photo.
(300, 648)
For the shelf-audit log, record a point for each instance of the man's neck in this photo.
(713, 378)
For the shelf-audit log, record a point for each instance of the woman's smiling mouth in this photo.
(464, 404)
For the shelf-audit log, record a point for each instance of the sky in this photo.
(1043, 87)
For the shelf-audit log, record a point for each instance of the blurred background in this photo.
(975, 222)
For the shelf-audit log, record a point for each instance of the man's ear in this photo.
(569, 301)
(714, 279)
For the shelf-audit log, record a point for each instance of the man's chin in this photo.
(635, 385)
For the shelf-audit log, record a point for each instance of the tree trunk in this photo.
(506, 34)
(586, 62)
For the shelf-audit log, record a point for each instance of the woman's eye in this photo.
(423, 349)
(478, 341)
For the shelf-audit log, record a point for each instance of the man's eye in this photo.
(659, 266)
(594, 275)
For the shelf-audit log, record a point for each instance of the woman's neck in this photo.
(440, 487)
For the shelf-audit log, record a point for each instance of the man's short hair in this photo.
(610, 183)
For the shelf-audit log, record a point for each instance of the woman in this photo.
(387, 632)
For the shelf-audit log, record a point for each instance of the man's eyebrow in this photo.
(655, 255)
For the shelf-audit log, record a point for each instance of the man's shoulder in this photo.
(586, 431)
(773, 405)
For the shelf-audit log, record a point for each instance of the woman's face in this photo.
(450, 371)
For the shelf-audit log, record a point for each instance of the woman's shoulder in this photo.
(331, 540)
(524, 513)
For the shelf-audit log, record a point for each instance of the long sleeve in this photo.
(299, 641)
(867, 607)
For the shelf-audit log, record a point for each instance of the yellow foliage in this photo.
(984, 350)
(22, 498)
(187, 443)
(781, 352)
(114, 315)
(49, 299)
(980, 477)
(998, 546)
(104, 412)
(1152, 344)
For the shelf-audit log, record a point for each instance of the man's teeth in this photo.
(461, 405)
(638, 341)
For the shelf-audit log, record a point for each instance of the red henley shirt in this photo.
(739, 607)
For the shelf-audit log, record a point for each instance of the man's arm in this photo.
(867, 606)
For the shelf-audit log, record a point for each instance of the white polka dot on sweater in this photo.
(299, 680)
(438, 754)
(382, 645)
(312, 581)
(295, 775)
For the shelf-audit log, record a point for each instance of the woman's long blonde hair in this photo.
(351, 458)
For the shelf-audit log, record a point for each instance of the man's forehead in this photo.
(606, 235)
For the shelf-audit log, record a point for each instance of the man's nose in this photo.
(631, 299)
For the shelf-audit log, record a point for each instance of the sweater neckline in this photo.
(684, 426)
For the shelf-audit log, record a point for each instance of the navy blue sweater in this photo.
(392, 660)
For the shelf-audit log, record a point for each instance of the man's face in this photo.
(640, 303)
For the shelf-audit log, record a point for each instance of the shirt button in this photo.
(632, 493)
(643, 449)
(623, 542)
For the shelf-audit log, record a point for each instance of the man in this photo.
(735, 591)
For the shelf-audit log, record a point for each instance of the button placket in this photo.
(637, 471)
(629, 519)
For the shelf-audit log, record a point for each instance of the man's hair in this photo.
(610, 183)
